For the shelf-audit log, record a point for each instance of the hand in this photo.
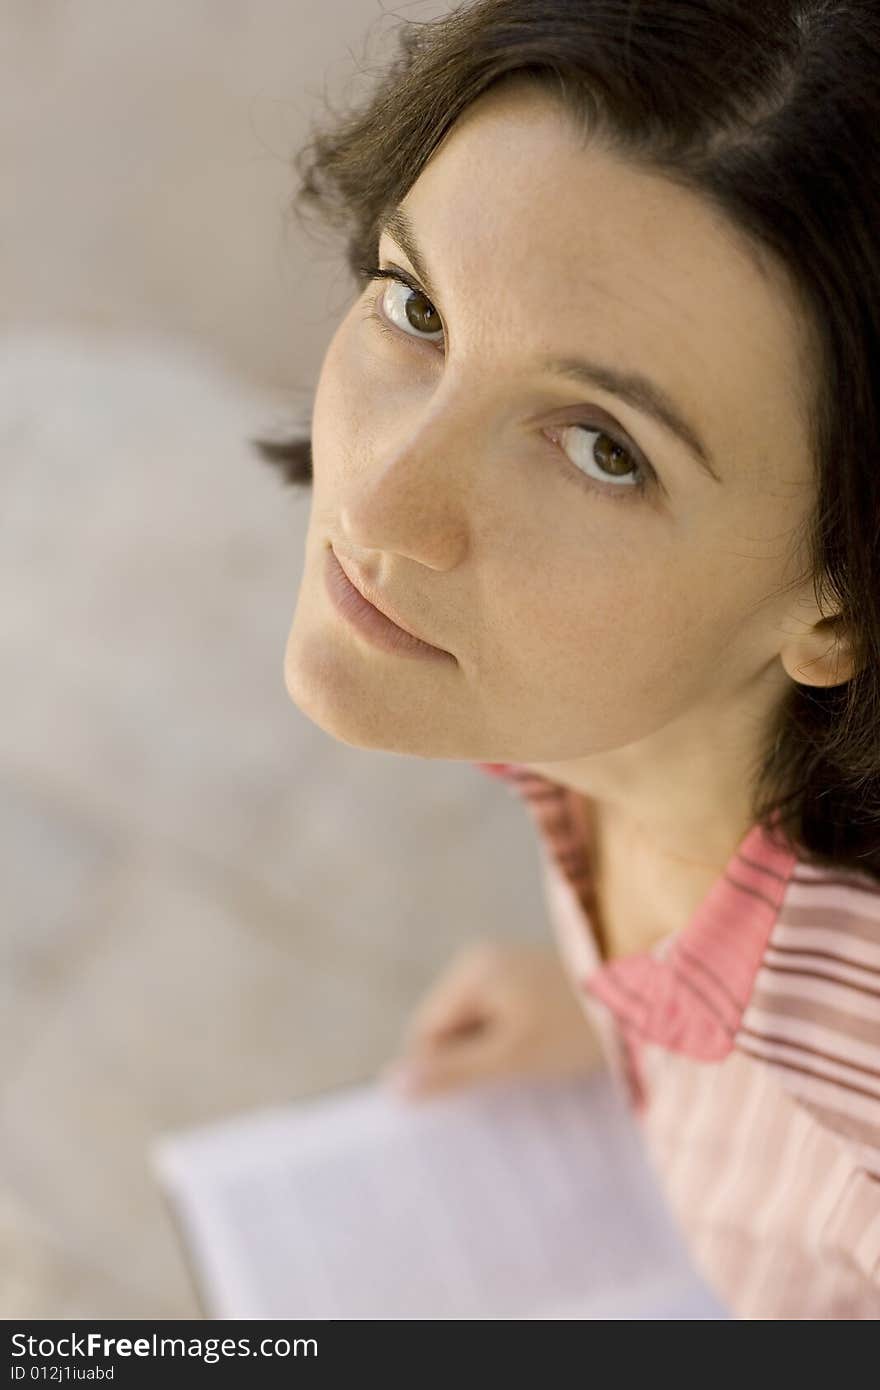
(499, 1009)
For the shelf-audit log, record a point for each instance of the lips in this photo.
(375, 624)
(377, 602)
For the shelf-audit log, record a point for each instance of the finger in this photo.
(461, 1063)
(456, 1004)
(450, 1024)
(423, 1052)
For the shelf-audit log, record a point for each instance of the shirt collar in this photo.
(690, 990)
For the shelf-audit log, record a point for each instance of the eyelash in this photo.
(647, 475)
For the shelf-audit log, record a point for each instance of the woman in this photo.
(599, 436)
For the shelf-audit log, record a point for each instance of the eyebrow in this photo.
(637, 390)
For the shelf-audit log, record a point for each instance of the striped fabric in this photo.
(748, 1045)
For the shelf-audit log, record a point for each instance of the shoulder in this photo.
(814, 1021)
(814, 1013)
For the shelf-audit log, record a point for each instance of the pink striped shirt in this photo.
(748, 1045)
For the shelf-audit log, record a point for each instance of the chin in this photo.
(324, 686)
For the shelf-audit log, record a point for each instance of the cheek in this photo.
(611, 625)
(341, 412)
(362, 389)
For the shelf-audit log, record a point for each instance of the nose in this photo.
(413, 498)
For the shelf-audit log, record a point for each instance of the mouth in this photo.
(369, 612)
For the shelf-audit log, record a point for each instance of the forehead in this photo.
(541, 242)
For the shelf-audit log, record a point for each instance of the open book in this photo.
(509, 1200)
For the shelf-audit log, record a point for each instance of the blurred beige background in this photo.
(209, 904)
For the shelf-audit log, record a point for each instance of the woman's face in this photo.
(496, 502)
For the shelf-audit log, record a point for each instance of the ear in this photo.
(821, 655)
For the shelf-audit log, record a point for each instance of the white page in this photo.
(511, 1200)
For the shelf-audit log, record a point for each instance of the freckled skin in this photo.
(631, 647)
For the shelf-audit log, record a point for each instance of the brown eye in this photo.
(421, 313)
(601, 461)
(407, 307)
(612, 458)
(594, 449)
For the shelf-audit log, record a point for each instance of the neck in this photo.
(681, 796)
(642, 893)
(669, 810)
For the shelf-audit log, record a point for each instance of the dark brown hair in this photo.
(769, 109)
